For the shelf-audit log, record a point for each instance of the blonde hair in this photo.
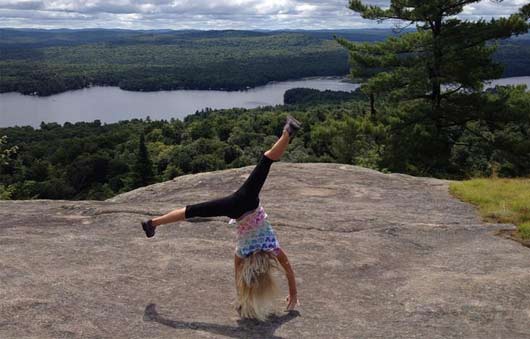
(256, 285)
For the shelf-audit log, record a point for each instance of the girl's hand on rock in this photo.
(292, 302)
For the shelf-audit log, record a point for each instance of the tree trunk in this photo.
(436, 67)
(372, 106)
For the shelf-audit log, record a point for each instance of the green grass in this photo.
(499, 200)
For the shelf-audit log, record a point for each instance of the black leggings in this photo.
(245, 199)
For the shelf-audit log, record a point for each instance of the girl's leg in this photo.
(252, 186)
(226, 206)
(278, 149)
(245, 199)
(249, 191)
(176, 215)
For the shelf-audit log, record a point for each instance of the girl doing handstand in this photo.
(257, 251)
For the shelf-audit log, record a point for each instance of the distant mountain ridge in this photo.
(13, 37)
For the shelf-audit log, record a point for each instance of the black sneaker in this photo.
(148, 227)
(292, 126)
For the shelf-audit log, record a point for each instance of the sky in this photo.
(208, 14)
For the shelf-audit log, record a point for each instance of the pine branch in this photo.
(525, 12)
(456, 7)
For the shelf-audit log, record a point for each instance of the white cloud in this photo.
(208, 14)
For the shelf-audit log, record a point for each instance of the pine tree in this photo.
(430, 80)
(443, 51)
(143, 168)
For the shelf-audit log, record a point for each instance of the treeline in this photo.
(310, 96)
(17, 39)
(96, 161)
(49, 62)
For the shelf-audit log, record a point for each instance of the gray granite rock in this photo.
(376, 256)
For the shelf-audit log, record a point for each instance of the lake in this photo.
(111, 104)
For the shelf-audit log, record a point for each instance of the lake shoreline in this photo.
(198, 88)
(344, 78)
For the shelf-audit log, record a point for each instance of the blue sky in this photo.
(207, 14)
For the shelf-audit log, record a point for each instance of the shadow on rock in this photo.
(247, 328)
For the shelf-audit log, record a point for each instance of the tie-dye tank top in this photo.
(255, 233)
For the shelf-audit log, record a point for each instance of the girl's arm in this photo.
(292, 299)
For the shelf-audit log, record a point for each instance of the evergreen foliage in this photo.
(143, 167)
(427, 85)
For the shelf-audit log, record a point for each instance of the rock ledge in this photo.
(376, 256)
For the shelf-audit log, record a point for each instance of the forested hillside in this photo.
(229, 60)
(45, 62)
(90, 160)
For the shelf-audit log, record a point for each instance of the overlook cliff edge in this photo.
(376, 256)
